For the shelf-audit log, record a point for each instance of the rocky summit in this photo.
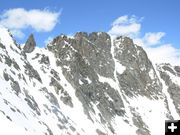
(89, 84)
(30, 44)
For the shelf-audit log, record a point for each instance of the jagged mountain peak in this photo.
(30, 44)
(92, 36)
(101, 40)
(124, 39)
(86, 85)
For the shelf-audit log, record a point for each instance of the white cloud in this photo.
(19, 34)
(157, 52)
(139, 41)
(127, 26)
(18, 19)
(48, 40)
(120, 20)
(153, 38)
(164, 54)
(150, 41)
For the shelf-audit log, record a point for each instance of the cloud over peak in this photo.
(157, 51)
(153, 38)
(125, 25)
(19, 19)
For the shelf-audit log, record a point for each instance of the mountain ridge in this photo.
(88, 84)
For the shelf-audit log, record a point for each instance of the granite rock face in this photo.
(30, 44)
(140, 76)
(83, 59)
(90, 84)
(88, 57)
(170, 76)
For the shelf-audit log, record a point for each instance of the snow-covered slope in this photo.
(86, 85)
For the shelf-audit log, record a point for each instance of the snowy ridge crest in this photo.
(90, 84)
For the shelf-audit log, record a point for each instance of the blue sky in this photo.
(98, 15)
(153, 24)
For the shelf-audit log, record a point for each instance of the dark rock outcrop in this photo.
(30, 44)
(110, 85)
(136, 79)
(167, 73)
